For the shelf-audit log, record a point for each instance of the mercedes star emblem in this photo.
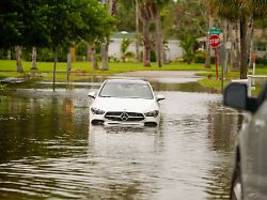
(124, 116)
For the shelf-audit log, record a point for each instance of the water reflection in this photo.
(49, 150)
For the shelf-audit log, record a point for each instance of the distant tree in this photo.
(11, 21)
(23, 24)
(51, 23)
(76, 20)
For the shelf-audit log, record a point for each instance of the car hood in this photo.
(125, 104)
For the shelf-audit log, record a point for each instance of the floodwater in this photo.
(50, 151)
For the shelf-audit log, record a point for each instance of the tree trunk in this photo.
(226, 39)
(18, 59)
(104, 55)
(158, 38)
(69, 64)
(146, 51)
(54, 69)
(34, 58)
(112, 6)
(236, 44)
(250, 40)
(69, 59)
(137, 31)
(9, 54)
(243, 44)
(92, 56)
(233, 45)
(208, 49)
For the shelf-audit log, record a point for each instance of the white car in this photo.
(125, 102)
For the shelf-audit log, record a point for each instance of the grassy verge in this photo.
(82, 69)
(10, 65)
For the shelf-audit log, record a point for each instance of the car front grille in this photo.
(124, 116)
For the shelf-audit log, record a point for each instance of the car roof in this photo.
(121, 80)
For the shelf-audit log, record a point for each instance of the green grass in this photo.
(10, 65)
(82, 69)
(213, 84)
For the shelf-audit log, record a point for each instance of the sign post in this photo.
(214, 42)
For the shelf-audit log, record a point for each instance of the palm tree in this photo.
(146, 15)
(137, 30)
(210, 10)
(123, 49)
(241, 11)
(150, 11)
(111, 6)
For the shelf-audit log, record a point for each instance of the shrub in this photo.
(262, 61)
(153, 56)
(200, 57)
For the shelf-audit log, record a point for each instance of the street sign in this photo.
(214, 31)
(214, 41)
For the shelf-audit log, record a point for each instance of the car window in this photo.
(126, 90)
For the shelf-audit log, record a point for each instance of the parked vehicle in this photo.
(126, 102)
(249, 180)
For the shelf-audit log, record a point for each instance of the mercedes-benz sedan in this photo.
(125, 102)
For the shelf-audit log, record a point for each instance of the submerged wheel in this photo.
(236, 187)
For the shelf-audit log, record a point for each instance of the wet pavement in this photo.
(50, 151)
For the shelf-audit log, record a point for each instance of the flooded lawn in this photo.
(50, 151)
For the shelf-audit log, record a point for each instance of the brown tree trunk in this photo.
(146, 51)
(92, 56)
(208, 49)
(158, 39)
(9, 54)
(250, 40)
(18, 59)
(236, 47)
(34, 59)
(112, 6)
(226, 40)
(137, 31)
(104, 55)
(69, 64)
(244, 52)
(55, 69)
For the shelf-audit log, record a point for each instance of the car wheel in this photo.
(236, 186)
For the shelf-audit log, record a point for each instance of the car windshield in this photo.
(126, 90)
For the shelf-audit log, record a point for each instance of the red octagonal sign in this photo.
(214, 41)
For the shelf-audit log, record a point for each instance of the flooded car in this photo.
(250, 174)
(125, 102)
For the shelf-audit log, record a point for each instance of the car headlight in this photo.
(153, 113)
(97, 111)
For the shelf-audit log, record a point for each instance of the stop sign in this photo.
(214, 41)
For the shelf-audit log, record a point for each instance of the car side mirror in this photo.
(92, 95)
(160, 97)
(235, 95)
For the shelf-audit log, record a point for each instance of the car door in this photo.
(255, 156)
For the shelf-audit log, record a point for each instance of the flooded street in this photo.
(50, 151)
